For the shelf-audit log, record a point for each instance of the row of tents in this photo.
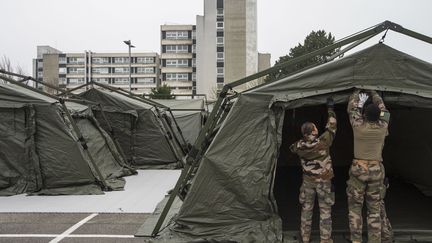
(87, 143)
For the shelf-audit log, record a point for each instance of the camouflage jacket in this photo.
(315, 155)
(368, 136)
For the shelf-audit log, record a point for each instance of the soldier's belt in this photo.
(324, 176)
(365, 163)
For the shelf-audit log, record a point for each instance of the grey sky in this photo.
(102, 25)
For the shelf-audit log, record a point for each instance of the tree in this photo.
(314, 41)
(161, 92)
(6, 64)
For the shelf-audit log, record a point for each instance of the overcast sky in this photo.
(102, 25)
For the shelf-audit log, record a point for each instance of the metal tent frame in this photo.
(220, 109)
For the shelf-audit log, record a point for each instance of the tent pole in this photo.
(168, 135)
(111, 131)
(169, 124)
(84, 144)
(127, 94)
(189, 163)
(66, 92)
(179, 130)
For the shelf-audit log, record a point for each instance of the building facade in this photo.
(69, 70)
(178, 63)
(226, 44)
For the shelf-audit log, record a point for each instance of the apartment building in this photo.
(178, 63)
(69, 70)
(226, 44)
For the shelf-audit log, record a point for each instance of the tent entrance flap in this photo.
(407, 161)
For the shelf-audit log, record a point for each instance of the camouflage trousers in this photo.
(386, 228)
(365, 183)
(323, 191)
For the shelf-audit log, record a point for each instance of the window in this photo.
(100, 70)
(62, 80)
(62, 60)
(121, 80)
(100, 60)
(219, 25)
(100, 80)
(177, 49)
(121, 59)
(193, 48)
(220, 56)
(76, 60)
(121, 70)
(145, 60)
(220, 71)
(220, 12)
(219, 40)
(194, 62)
(145, 70)
(177, 63)
(193, 76)
(177, 76)
(74, 70)
(62, 70)
(145, 80)
(40, 74)
(177, 35)
(75, 80)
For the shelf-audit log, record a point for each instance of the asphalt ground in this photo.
(70, 227)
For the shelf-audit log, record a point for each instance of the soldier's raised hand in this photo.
(362, 99)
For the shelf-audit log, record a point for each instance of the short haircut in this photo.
(307, 128)
(372, 112)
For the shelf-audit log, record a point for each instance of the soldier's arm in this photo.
(328, 136)
(353, 110)
(377, 100)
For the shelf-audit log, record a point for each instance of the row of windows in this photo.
(176, 48)
(176, 76)
(177, 35)
(177, 63)
(108, 80)
(106, 60)
(101, 70)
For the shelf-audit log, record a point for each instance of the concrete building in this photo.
(69, 70)
(226, 44)
(178, 66)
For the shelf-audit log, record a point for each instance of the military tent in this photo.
(41, 152)
(189, 114)
(234, 194)
(141, 133)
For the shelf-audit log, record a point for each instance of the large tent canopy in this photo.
(140, 131)
(41, 152)
(231, 196)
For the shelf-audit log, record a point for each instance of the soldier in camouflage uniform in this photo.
(314, 153)
(367, 171)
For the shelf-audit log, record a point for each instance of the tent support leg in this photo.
(84, 145)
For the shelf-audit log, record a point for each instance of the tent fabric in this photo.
(137, 128)
(42, 154)
(231, 194)
(189, 119)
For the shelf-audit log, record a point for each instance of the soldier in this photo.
(367, 171)
(314, 153)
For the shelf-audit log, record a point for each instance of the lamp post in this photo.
(129, 43)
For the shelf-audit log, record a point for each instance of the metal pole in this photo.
(130, 69)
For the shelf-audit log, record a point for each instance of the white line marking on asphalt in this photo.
(73, 228)
(67, 236)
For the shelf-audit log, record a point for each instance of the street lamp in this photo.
(129, 43)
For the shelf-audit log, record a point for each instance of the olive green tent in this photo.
(231, 196)
(41, 152)
(189, 114)
(139, 130)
